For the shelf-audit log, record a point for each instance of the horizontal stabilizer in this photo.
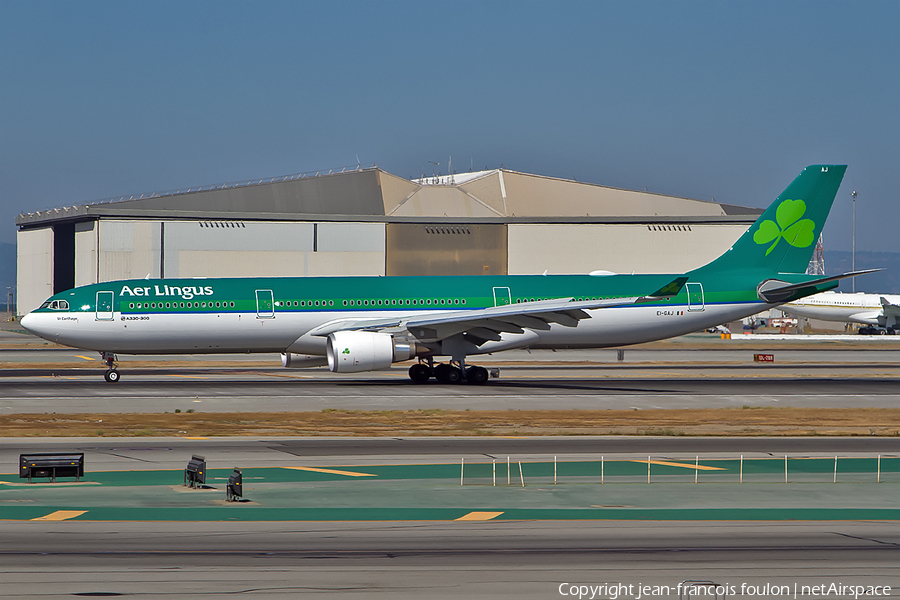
(774, 291)
(891, 313)
(887, 304)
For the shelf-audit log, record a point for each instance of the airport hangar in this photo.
(366, 221)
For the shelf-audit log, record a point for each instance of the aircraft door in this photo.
(502, 296)
(105, 306)
(265, 304)
(695, 297)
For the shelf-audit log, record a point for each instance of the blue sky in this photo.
(699, 99)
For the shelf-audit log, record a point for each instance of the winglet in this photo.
(673, 288)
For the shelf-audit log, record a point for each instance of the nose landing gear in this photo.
(111, 375)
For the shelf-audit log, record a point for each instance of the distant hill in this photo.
(885, 282)
(7, 271)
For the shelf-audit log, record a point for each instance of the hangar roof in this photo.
(372, 194)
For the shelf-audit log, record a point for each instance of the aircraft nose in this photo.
(35, 324)
(28, 322)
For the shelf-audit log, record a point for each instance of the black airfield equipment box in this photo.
(51, 465)
(195, 472)
(235, 487)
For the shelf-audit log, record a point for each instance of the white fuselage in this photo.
(844, 308)
(229, 332)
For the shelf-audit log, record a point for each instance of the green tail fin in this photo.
(782, 240)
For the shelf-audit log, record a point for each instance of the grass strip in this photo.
(747, 421)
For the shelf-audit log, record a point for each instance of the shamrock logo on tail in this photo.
(796, 231)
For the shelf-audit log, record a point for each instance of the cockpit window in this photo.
(56, 304)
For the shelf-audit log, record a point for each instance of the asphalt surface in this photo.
(515, 559)
(439, 560)
(677, 375)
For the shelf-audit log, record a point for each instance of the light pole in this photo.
(854, 193)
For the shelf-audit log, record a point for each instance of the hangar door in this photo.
(435, 249)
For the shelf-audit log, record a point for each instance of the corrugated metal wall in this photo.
(419, 249)
(582, 248)
(132, 249)
(129, 249)
(86, 265)
(34, 271)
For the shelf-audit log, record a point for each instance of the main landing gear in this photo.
(111, 375)
(452, 372)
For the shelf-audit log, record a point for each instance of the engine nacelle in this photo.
(302, 361)
(357, 351)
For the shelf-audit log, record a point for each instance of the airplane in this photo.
(358, 324)
(882, 310)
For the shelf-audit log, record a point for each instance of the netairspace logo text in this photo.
(632, 591)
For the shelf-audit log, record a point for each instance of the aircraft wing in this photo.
(487, 324)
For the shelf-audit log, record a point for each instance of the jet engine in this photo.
(357, 351)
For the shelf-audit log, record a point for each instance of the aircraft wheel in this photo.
(442, 372)
(477, 375)
(454, 375)
(111, 376)
(882, 332)
(420, 373)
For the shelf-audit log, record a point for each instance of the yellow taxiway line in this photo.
(479, 516)
(685, 465)
(61, 515)
(332, 471)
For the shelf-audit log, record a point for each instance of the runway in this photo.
(70, 381)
